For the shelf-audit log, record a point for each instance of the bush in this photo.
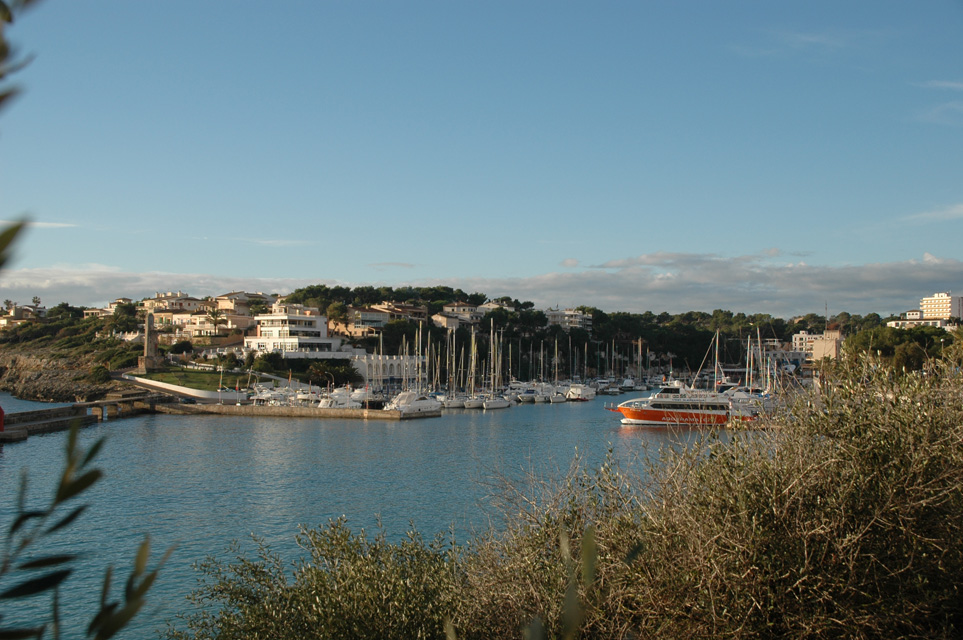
(352, 586)
(841, 518)
(182, 346)
(99, 374)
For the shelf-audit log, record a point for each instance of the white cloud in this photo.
(672, 282)
(36, 224)
(943, 84)
(813, 40)
(266, 242)
(819, 44)
(953, 212)
(92, 285)
(569, 263)
(948, 114)
(681, 282)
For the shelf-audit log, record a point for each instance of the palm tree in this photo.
(216, 317)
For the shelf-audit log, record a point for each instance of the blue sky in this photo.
(775, 157)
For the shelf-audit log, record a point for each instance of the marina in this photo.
(200, 482)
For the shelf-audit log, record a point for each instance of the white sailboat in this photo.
(473, 401)
(495, 401)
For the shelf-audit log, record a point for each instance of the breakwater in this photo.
(19, 426)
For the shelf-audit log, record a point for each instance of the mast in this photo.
(715, 368)
(491, 360)
(471, 365)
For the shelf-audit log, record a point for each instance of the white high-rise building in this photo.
(942, 306)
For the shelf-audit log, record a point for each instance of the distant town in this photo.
(316, 323)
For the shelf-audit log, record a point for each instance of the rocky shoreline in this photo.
(45, 377)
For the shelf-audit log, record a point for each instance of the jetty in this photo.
(282, 411)
(17, 427)
(23, 424)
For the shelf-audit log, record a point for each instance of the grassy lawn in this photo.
(203, 380)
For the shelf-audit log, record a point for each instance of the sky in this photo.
(756, 156)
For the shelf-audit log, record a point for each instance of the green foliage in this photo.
(323, 296)
(99, 374)
(337, 312)
(336, 372)
(908, 349)
(57, 330)
(319, 372)
(842, 518)
(26, 571)
(350, 586)
(124, 319)
(216, 317)
(64, 309)
(269, 363)
(121, 355)
(182, 346)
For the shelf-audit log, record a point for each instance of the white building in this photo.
(817, 346)
(390, 372)
(942, 306)
(466, 313)
(446, 321)
(909, 324)
(176, 300)
(569, 319)
(297, 332)
(239, 302)
(491, 306)
(107, 311)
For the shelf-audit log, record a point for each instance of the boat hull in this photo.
(703, 412)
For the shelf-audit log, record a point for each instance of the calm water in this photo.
(200, 483)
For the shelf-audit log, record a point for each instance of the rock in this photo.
(49, 378)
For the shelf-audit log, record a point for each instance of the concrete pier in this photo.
(19, 426)
(286, 412)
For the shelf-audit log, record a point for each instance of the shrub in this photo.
(349, 586)
(182, 346)
(99, 374)
(841, 518)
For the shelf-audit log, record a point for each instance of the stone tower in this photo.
(149, 361)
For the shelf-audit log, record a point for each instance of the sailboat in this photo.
(453, 399)
(557, 394)
(473, 401)
(495, 401)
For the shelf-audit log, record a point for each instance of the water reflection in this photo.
(201, 482)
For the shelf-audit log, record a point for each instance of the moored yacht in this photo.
(580, 393)
(411, 403)
(339, 398)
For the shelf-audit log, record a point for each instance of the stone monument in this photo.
(150, 360)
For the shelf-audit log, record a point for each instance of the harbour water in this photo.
(199, 483)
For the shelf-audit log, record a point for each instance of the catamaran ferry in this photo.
(677, 405)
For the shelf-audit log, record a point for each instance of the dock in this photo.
(19, 426)
(251, 410)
